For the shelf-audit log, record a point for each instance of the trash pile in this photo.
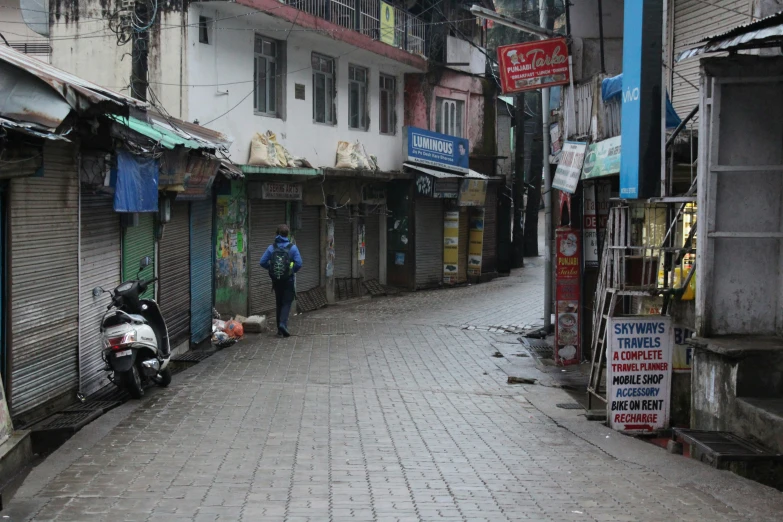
(265, 151)
(228, 333)
(354, 156)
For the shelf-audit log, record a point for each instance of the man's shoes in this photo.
(279, 332)
(284, 331)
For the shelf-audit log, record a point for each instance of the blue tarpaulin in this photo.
(613, 87)
(137, 183)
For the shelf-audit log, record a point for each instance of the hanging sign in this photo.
(569, 169)
(436, 149)
(603, 159)
(639, 368)
(472, 193)
(590, 226)
(476, 241)
(568, 349)
(282, 191)
(374, 194)
(387, 23)
(533, 65)
(450, 246)
(446, 188)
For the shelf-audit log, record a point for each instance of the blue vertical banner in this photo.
(640, 163)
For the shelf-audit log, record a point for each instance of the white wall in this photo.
(230, 61)
(15, 30)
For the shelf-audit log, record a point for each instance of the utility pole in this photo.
(140, 52)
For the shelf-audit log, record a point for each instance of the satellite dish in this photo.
(35, 14)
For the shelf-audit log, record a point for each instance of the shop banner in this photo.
(473, 193)
(387, 23)
(603, 193)
(568, 348)
(533, 65)
(476, 245)
(590, 226)
(425, 186)
(361, 243)
(374, 194)
(282, 191)
(569, 170)
(603, 159)
(682, 355)
(638, 377)
(450, 246)
(436, 149)
(446, 188)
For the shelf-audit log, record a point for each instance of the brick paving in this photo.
(380, 410)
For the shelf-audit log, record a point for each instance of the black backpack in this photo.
(280, 264)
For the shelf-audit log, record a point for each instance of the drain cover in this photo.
(569, 406)
(73, 421)
(311, 300)
(102, 406)
(539, 347)
(374, 287)
(718, 447)
(193, 356)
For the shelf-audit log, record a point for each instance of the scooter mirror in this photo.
(97, 291)
(145, 262)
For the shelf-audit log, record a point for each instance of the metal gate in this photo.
(44, 282)
(343, 243)
(174, 273)
(372, 232)
(464, 239)
(308, 241)
(139, 241)
(200, 270)
(101, 262)
(265, 216)
(489, 252)
(429, 242)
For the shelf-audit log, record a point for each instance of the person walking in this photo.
(283, 260)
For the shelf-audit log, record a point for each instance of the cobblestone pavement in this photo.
(381, 410)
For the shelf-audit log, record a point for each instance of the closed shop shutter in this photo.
(101, 262)
(695, 20)
(372, 240)
(137, 242)
(489, 253)
(464, 239)
(201, 263)
(174, 273)
(44, 282)
(308, 241)
(265, 217)
(429, 242)
(343, 243)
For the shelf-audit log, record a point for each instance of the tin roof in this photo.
(767, 32)
(435, 173)
(171, 132)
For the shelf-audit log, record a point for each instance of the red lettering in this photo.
(591, 222)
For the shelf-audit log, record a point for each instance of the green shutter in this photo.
(137, 242)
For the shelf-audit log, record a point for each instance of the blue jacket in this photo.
(282, 242)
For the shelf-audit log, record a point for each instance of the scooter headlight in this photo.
(117, 343)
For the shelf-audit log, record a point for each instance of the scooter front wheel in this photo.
(164, 378)
(132, 382)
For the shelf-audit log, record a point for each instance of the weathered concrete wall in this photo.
(714, 391)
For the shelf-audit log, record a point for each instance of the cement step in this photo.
(764, 419)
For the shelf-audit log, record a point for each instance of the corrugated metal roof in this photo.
(171, 133)
(437, 173)
(31, 129)
(81, 95)
(745, 36)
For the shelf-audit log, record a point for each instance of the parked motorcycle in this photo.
(135, 338)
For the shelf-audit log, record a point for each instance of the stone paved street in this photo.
(384, 409)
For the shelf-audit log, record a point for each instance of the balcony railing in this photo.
(364, 16)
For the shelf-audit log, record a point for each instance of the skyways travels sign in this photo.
(438, 150)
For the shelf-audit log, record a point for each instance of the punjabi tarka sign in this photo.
(282, 191)
(438, 150)
(533, 65)
(639, 369)
(602, 159)
(569, 170)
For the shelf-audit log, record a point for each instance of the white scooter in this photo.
(135, 338)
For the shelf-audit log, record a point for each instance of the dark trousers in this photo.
(284, 297)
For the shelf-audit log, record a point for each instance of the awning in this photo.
(767, 32)
(435, 173)
(31, 129)
(171, 133)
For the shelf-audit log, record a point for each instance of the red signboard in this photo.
(568, 348)
(533, 65)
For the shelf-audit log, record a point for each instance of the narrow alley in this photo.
(379, 410)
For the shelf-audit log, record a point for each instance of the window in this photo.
(358, 117)
(448, 116)
(323, 90)
(388, 86)
(203, 29)
(267, 76)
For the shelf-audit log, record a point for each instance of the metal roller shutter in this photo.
(201, 264)
(265, 216)
(464, 239)
(44, 282)
(308, 240)
(174, 273)
(137, 242)
(343, 243)
(489, 252)
(429, 242)
(372, 231)
(101, 262)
